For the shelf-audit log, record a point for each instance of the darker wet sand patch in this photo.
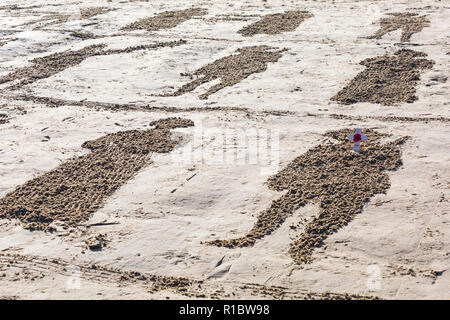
(276, 23)
(231, 69)
(332, 175)
(165, 20)
(409, 23)
(77, 188)
(45, 67)
(387, 80)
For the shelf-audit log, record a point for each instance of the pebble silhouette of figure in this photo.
(388, 80)
(339, 180)
(232, 69)
(47, 66)
(409, 23)
(75, 189)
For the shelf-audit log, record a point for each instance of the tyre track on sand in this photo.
(35, 267)
(409, 23)
(47, 66)
(387, 80)
(165, 20)
(14, 267)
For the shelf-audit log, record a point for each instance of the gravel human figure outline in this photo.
(357, 138)
(231, 69)
(165, 20)
(276, 23)
(388, 80)
(339, 180)
(74, 190)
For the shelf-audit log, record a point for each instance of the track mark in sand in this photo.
(45, 67)
(387, 80)
(75, 189)
(409, 23)
(27, 267)
(276, 23)
(165, 20)
(7, 113)
(4, 118)
(97, 105)
(231, 69)
(12, 7)
(232, 17)
(84, 35)
(338, 179)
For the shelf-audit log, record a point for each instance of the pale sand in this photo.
(165, 213)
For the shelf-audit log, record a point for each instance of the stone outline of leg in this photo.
(267, 222)
(188, 87)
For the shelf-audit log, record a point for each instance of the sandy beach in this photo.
(199, 149)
